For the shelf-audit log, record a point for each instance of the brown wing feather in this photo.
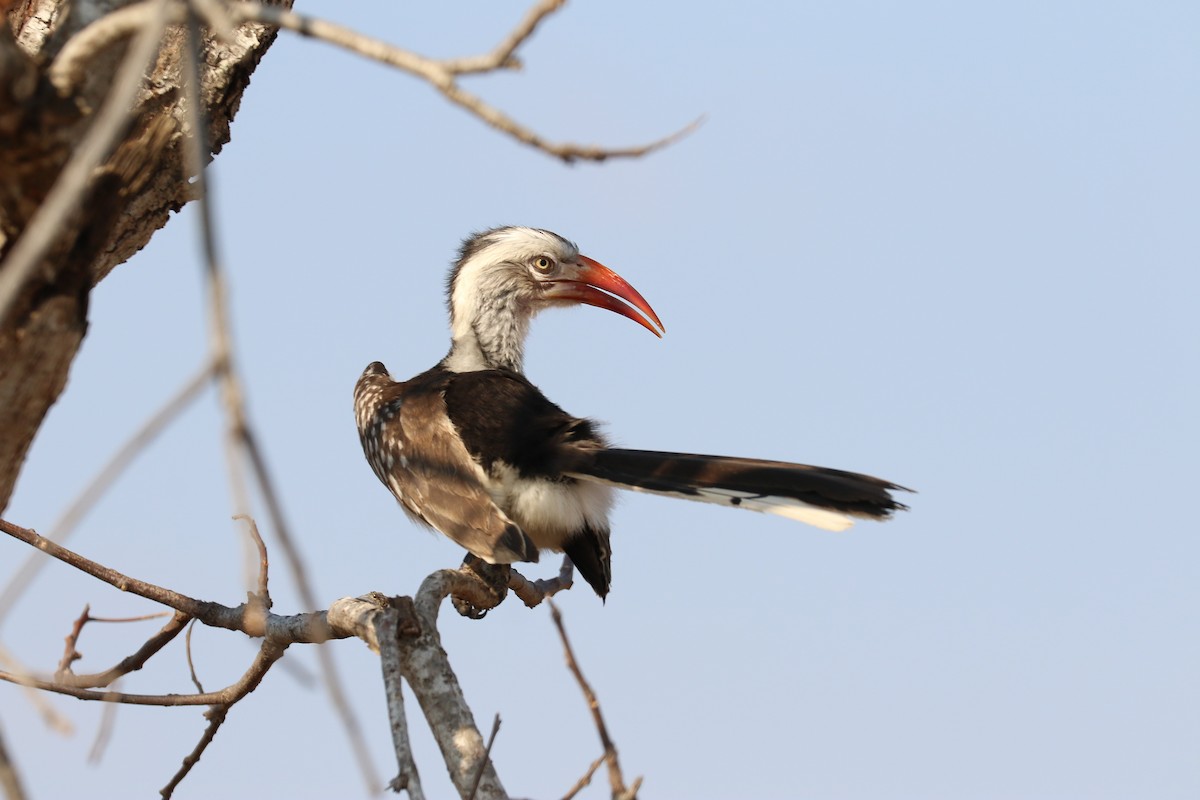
(416, 452)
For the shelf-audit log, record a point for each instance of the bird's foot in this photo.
(493, 581)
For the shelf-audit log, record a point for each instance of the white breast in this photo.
(550, 511)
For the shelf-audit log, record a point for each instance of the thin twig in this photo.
(177, 601)
(309, 628)
(239, 437)
(96, 145)
(138, 618)
(441, 75)
(582, 783)
(325, 661)
(50, 715)
(487, 757)
(65, 525)
(215, 716)
(70, 653)
(196, 155)
(108, 721)
(131, 663)
(504, 56)
(263, 562)
(187, 646)
(610, 750)
(269, 653)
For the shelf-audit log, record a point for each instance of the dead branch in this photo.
(64, 526)
(403, 631)
(442, 74)
(187, 647)
(268, 654)
(130, 663)
(216, 717)
(427, 670)
(392, 624)
(70, 653)
(619, 790)
(309, 628)
(487, 755)
(50, 716)
(108, 718)
(264, 563)
(328, 667)
(582, 783)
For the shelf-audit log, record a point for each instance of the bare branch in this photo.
(504, 56)
(65, 525)
(130, 663)
(216, 717)
(122, 620)
(427, 670)
(391, 624)
(441, 75)
(187, 646)
(240, 437)
(175, 600)
(615, 778)
(487, 755)
(108, 719)
(70, 654)
(309, 628)
(328, 667)
(50, 715)
(582, 783)
(263, 561)
(270, 652)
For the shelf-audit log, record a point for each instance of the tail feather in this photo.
(826, 498)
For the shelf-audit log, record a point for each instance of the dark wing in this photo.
(508, 425)
(504, 419)
(418, 454)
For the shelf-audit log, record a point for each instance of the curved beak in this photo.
(594, 284)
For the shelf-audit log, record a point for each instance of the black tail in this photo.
(827, 498)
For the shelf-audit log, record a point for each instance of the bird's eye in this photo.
(543, 264)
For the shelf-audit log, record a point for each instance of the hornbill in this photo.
(474, 450)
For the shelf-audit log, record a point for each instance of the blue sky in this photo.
(953, 245)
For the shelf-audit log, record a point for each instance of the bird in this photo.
(471, 448)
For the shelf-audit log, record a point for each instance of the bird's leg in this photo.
(533, 593)
(494, 580)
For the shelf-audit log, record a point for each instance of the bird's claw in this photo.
(492, 583)
(468, 609)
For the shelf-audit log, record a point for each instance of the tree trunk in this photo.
(130, 197)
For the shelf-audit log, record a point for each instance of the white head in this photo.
(504, 276)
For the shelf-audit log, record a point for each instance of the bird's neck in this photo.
(492, 338)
